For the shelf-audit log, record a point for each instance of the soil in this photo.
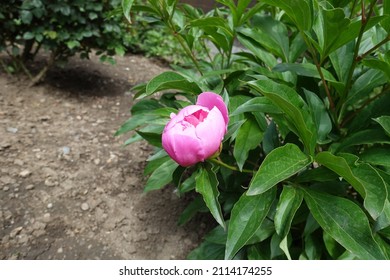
(69, 189)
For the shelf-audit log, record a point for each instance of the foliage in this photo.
(304, 172)
(63, 28)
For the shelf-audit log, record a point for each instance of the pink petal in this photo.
(211, 99)
(211, 132)
(182, 145)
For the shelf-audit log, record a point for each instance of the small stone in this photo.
(4, 146)
(95, 141)
(50, 182)
(60, 250)
(96, 161)
(6, 189)
(65, 150)
(25, 173)
(46, 217)
(12, 129)
(15, 232)
(50, 205)
(84, 206)
(29, 187)
(18, 162)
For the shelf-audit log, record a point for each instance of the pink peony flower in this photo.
(196, 132)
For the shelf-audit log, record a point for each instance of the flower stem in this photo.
(234, 168)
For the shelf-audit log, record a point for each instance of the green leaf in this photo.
(296, 110)
(126, 6)
(161, 176)
(246, 218)
(300, 11)
(28, 35)
(378, 64)
(364, 178)
(170, 80)
(207, 186)
(278, 165)
(384, 121)
(197, 205)
(345, 222)
(273, 34)
(248, 137)
(289, 202)
(327, 27)
(320, 116)
(364, 85)
(308, 70)
(342, 60)
(257, 104)
(253, 44)
(377, 156)
(283, 245)
(368, 136)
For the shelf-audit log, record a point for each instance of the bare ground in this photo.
(68, 187)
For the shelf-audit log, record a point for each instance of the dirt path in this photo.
(68, 189)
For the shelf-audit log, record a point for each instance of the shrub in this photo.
(304, 169)
(63, 28)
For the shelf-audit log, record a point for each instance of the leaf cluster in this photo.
(304, 172)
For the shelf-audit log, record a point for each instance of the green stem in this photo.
(384, 41)
(365, 20)
(221, 163)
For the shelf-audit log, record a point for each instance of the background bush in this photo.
(305, 168)
(62, 28)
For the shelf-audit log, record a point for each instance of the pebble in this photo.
(50, 182)
(18, 162)
(25, 173)
(60, 250)
(6, 189)
(12, 129)
(29, 187)
(96, 161)
(65, 150)
(15, 232)
(85, 206)
(46, 217)
(50, 205)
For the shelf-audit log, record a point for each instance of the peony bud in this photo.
(196, 132)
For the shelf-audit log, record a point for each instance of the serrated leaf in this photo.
(246, 218)
(364, 178)
(296, 110)
(289, 202)
(161, 176)
(278, 165)
(248, 137)
(345, 222)
(207, 186)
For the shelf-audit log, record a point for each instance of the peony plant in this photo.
(297, 165)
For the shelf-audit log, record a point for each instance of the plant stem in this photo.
(221, 163)
(365, 19)
(384, 41)
(364, 105)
